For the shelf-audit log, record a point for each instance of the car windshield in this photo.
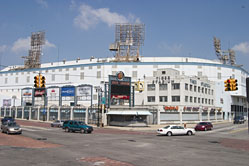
(81, 123)
(202, 123)
(166, 127)
(12, 124)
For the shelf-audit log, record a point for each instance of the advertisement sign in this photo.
(53, 92)
(67, 91)
(40, 92)
(27, 92)
(7, 102)
(84, 91)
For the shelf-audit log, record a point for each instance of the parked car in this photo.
(7, 119)
(239, 120)
(57, 123)
(175, 130)
(204, 126)
(11, 128)
(72, 126)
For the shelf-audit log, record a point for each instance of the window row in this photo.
(178, 99)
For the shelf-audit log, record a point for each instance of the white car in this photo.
(175, 130)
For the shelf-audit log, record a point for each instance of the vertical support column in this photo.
(4, 112)
(59, 113)
(86, 116)
(0, 111)
(180, 115)
(200, 114)
(22, 112)
(38, 113)
(10, 111)
(71, 113)
(158, 116)
(48, 112)
(215, 115)
(29, 113)
(15, 112)
(208, 111)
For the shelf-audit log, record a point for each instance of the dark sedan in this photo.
(204, 126)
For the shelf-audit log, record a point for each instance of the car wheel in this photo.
(169, 134)
(2, 131)
(7, 132)
(52, 125)
(82, 131)
(205, 129)
(66, 130)
(189, 133)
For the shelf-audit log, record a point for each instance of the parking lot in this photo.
(226, 144)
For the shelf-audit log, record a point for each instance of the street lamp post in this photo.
(99, 91)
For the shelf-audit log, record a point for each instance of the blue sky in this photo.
(85, 28)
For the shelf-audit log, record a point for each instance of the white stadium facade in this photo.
(200, 85)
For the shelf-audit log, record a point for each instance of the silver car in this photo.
(11, 128)
(57, 123)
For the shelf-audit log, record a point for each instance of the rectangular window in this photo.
(195, 88)
(195, 99)
(199, 89)
(199, 74)
(163, 98)
(98, 74)
(205, 101)
(151, 87)
(202, 90)
(28, 79)
(98, 67)
(205, 90)
(67, 69)
(175, 86)
(219, 76)
(82, 68)
(163, 86)
(53, 77)
(186, 98)
(209, 91)
(208, 101)
(74, 68)
(191, 87)
(6, 81)
(202, 100)
(16, 80)
(175, 98)
(134, 66)
(212, 92)
(163, 72)
(114, 66)
(134, 74)
(191, 99)
(82, 75)
(151, 98)
(186, 86)
(67, 77)
(212, 102)
(60, 69)
(90, 67)
(154, 73)
(177, 66)
(199, 100)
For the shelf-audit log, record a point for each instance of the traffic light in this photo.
(227, 85)
(139, 86)
(234, 85)
(36, 81)
(42, 81)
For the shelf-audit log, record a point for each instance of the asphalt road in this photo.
(226, 144)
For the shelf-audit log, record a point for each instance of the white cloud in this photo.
(3, 48)
(23, 45)
(172, 49)
(242, 47)
(90, 17)
(43, 3)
